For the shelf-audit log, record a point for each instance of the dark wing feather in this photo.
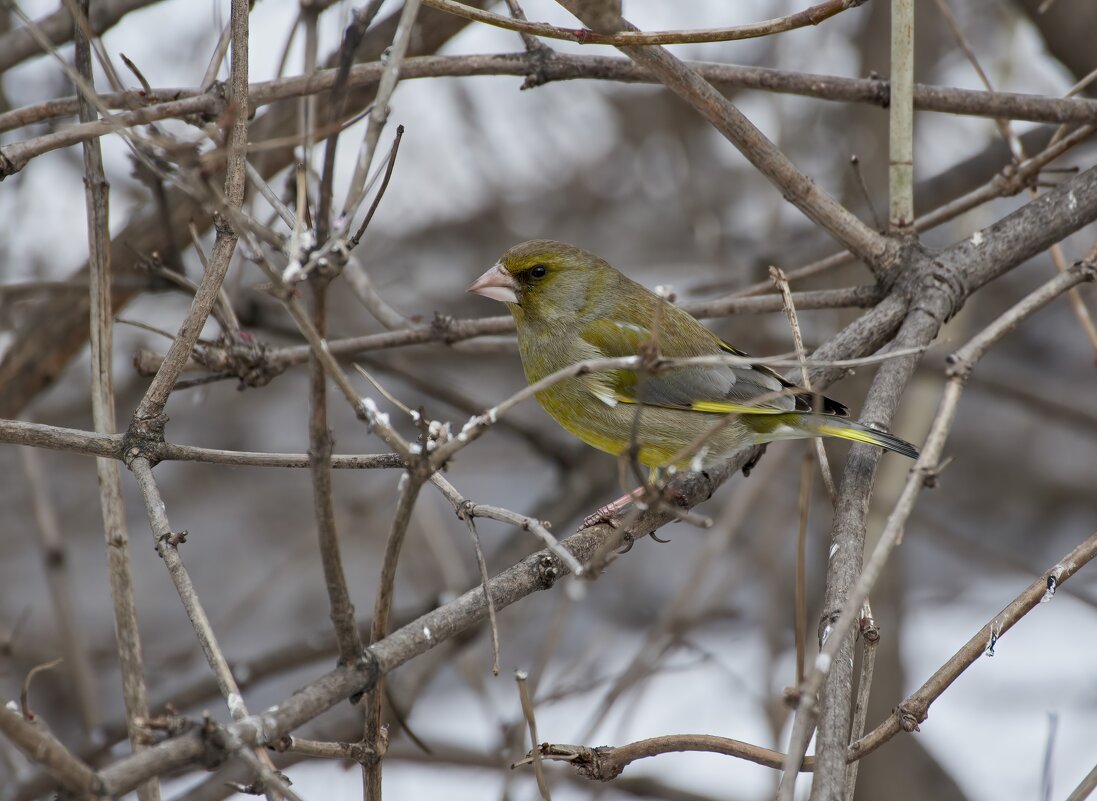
(722, 388)
(805, 401)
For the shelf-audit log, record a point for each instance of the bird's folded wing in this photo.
(721, 389)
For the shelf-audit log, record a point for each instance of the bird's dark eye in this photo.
(538, 271)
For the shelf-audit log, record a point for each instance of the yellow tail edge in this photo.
(857, 432)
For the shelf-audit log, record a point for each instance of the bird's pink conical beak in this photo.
(496, 284)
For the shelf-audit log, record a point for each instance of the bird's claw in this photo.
(753, 462)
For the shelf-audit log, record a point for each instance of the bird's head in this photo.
(542, 278)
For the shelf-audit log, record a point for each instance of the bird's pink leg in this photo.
(608, 512)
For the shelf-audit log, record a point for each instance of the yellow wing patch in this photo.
(712, 407)
(725, 407)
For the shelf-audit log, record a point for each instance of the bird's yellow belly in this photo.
(660, 434)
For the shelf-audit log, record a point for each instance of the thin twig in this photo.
(799, 599)
(42, 747)
(1085, 788)
(149, 412)
(179, 103)
(780, 280)
(323, 494)
(216, 58)
(915, 708)
(869, 246)
(809, 16)
(452, 331)
(870, 638)
(32, 674)
(482, 565)
(124, 604)
(466, 508)
(167, 546)
(391, 163)
(520, 678)
(1077, 305)
(56, 559)
(410, 484)
(352, 39)
(605, 763)
(380, 114)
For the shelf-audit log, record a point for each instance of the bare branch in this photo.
(915, 709)
(42, 747)
(19, 45)
(96, 195)
(869, 246)
(840, 625)
(809, 16)
(56, 559)
(385, 87)
(341, 608)
(605, 763)
(150, 411)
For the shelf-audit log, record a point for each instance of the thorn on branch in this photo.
(24, 694)
(146, 87)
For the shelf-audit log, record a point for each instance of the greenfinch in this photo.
(570, 306)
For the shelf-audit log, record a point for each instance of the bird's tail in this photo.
(845, 428)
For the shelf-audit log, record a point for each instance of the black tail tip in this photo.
(893, 443)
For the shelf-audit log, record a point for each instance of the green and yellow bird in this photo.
(571, 306)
